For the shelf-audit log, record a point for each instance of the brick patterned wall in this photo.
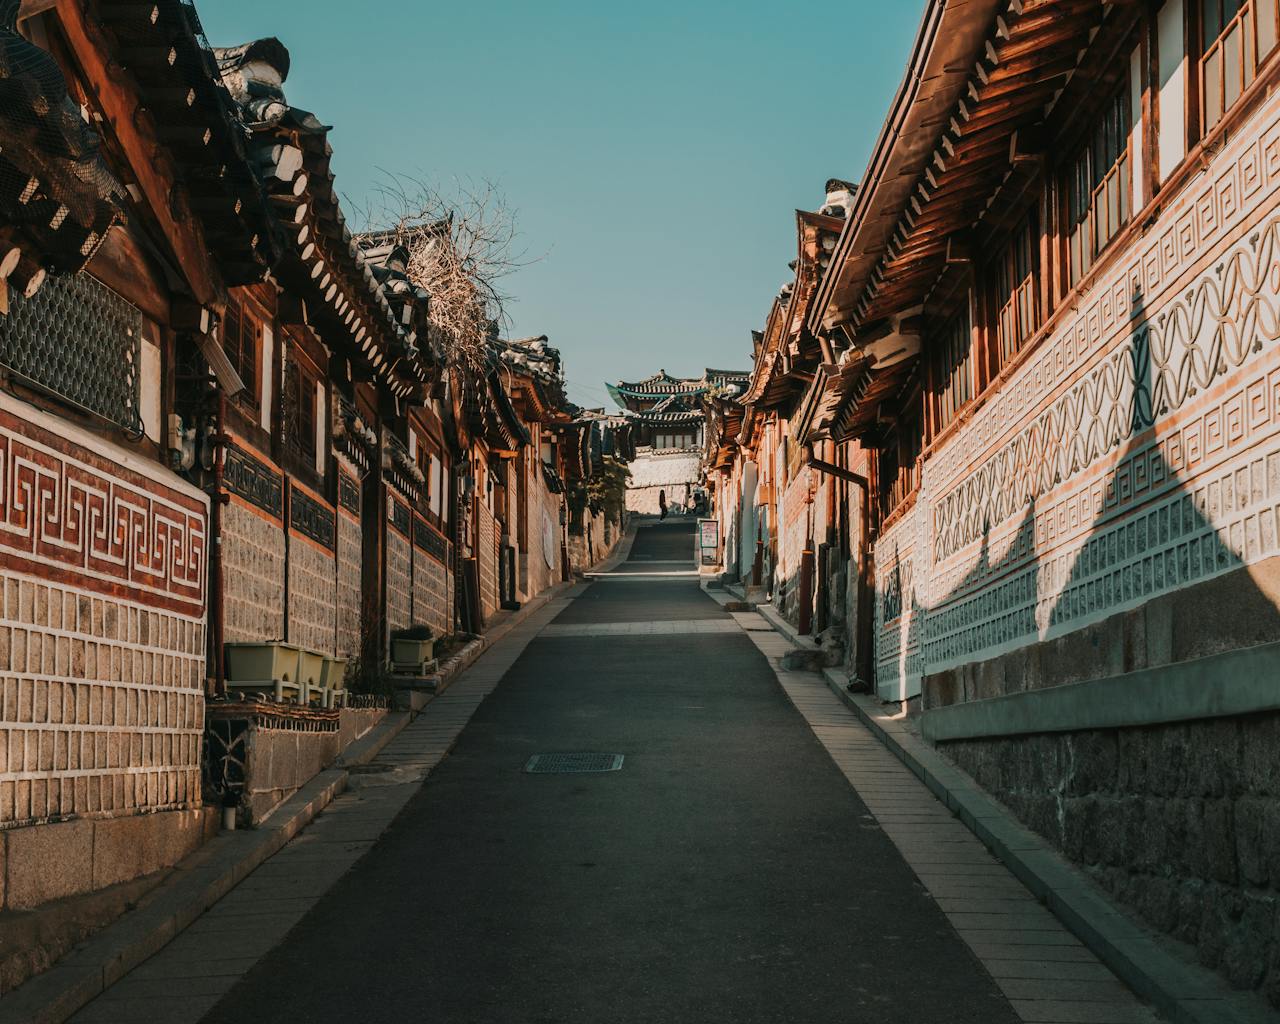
(253, 571)
(348, 591)
(101, 627)
(311, 596)
(101, 705)
(399, 580)
(487, 559)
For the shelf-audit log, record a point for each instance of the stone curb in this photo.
(199, 882)
(370, 745)
(1180, 989)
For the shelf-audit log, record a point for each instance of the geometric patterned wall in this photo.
(1136, 451)
(102, 642)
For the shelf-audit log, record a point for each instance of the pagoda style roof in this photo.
(669, 418)
(672, 392)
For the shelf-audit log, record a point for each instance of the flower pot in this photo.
(411, 652)
(261, 662)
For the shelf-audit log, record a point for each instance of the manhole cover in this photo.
(545, 764)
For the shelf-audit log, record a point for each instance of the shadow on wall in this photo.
(1179, 820)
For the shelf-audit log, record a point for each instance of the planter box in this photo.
(262, 662)
(310, 666)
(333, 676)
(411, 652)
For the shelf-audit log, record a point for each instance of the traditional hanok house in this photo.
(119, 154)
(418, 459)
(1053, 316)
(321, 492)
(491, 437)
(790, 509)
(723, 476)
(667, 417)
(594, 450)
(529, 372)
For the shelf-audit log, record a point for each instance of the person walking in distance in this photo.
(662, 504)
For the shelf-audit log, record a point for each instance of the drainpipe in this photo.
(864, 637)
(216, 585)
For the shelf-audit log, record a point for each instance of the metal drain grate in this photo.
(547, 764)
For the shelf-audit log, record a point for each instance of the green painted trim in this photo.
(1239, 682)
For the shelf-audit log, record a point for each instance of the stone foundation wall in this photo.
(265, 752)
(1181, 822)
(253, 567)
(312, 621)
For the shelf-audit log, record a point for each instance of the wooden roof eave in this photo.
(950, 36)
(1018, 71)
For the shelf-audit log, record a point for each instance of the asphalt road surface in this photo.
(727, 873)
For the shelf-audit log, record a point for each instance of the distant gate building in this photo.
(669, 415)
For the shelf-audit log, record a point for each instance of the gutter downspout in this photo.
(217, 606)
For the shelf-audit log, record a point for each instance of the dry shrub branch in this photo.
(461, 246)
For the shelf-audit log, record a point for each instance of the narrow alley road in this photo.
(728, 872)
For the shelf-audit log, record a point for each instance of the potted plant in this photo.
(413, 646)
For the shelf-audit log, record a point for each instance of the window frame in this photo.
(1014, 303)
(1253, 57)
(953, 371)
(906, 445)
(298, 432)
(1078, 177)
(240, 313)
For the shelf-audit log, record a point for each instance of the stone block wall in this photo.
(432, 600)
(1180, 822)
(652, 472)
(487, 560)
(540, 568)
(101, 705)
(102, 651)
(596, 542)
(348, 593)
(253, 568)
(312, 611)
(399, 580)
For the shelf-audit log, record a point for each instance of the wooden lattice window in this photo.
(953, 368)
(1099, 186)
(898, 466)
(241, 338)
(1235, 37)
(300, 410)
(1013, 291)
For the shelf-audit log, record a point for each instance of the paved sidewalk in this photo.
(1046, 973)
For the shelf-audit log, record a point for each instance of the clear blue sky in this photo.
(655, 152)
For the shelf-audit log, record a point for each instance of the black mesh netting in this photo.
(51, 174)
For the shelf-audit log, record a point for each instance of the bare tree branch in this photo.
(460, 247)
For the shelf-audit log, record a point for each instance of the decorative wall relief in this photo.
(254, 481)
